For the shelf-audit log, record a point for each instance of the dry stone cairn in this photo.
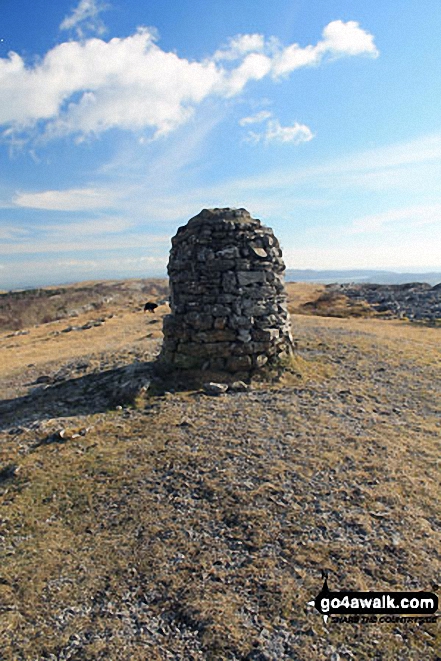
(227, 295)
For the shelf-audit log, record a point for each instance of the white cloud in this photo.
(127, 83)
(239, 46)
(347, 39)
(274, 132)
(75, 199)
(255, 66)
(256, 119)
(89, 86)
(339, 39)
(85, 17)
(294, 57)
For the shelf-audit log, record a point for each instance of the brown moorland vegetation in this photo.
(27, 307)
(183, 526)
(316, 299)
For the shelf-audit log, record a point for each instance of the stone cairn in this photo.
(227, 295)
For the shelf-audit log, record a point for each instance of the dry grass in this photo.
(313, 299)
(46, 346)
(26, 308)
(197, 527)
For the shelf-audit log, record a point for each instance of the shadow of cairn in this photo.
(91, 393)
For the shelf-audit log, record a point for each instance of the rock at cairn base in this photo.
(227, 295)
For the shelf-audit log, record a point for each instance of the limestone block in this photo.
(270, 321)
(186, 362)
(204, 254)
(224, 335)
(243, 264)
(217, 364)
(260, 360)
(255, 308)
(240, 321)
(206, 350)
(241, 349)
(259, 252)
(220, 311)
(260, 292)
(265, 334)
(245, 278)
(221, 265)
(199, 320)
(244, 335)
(220, 323)
(229, 282)
(215, 389)
(239, 363)
(230, 252)
(226, 299)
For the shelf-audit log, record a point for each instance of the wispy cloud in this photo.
(406, 254)
(85, 18)
(102, 233)
(158, 192)
(87, 228)
(60, 241)
(71, 269)
(114, 263)
(276, 193)
(414, 216)
(257, 118)
(74, 199)
(274, 132)
(350, 170)
(12, 233)
(285, 198)
(286, 194)
(77, 263)
(130, 83)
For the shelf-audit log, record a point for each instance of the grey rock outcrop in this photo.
(416, 301)
(227, 295)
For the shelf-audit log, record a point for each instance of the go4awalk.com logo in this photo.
(375, 606)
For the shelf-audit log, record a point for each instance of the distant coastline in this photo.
(361, 276)
(358, 276)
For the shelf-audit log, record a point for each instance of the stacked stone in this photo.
(227, 295)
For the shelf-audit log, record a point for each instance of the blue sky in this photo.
(119, 120)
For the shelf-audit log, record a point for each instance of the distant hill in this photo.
(360, 276)
(28, 307)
